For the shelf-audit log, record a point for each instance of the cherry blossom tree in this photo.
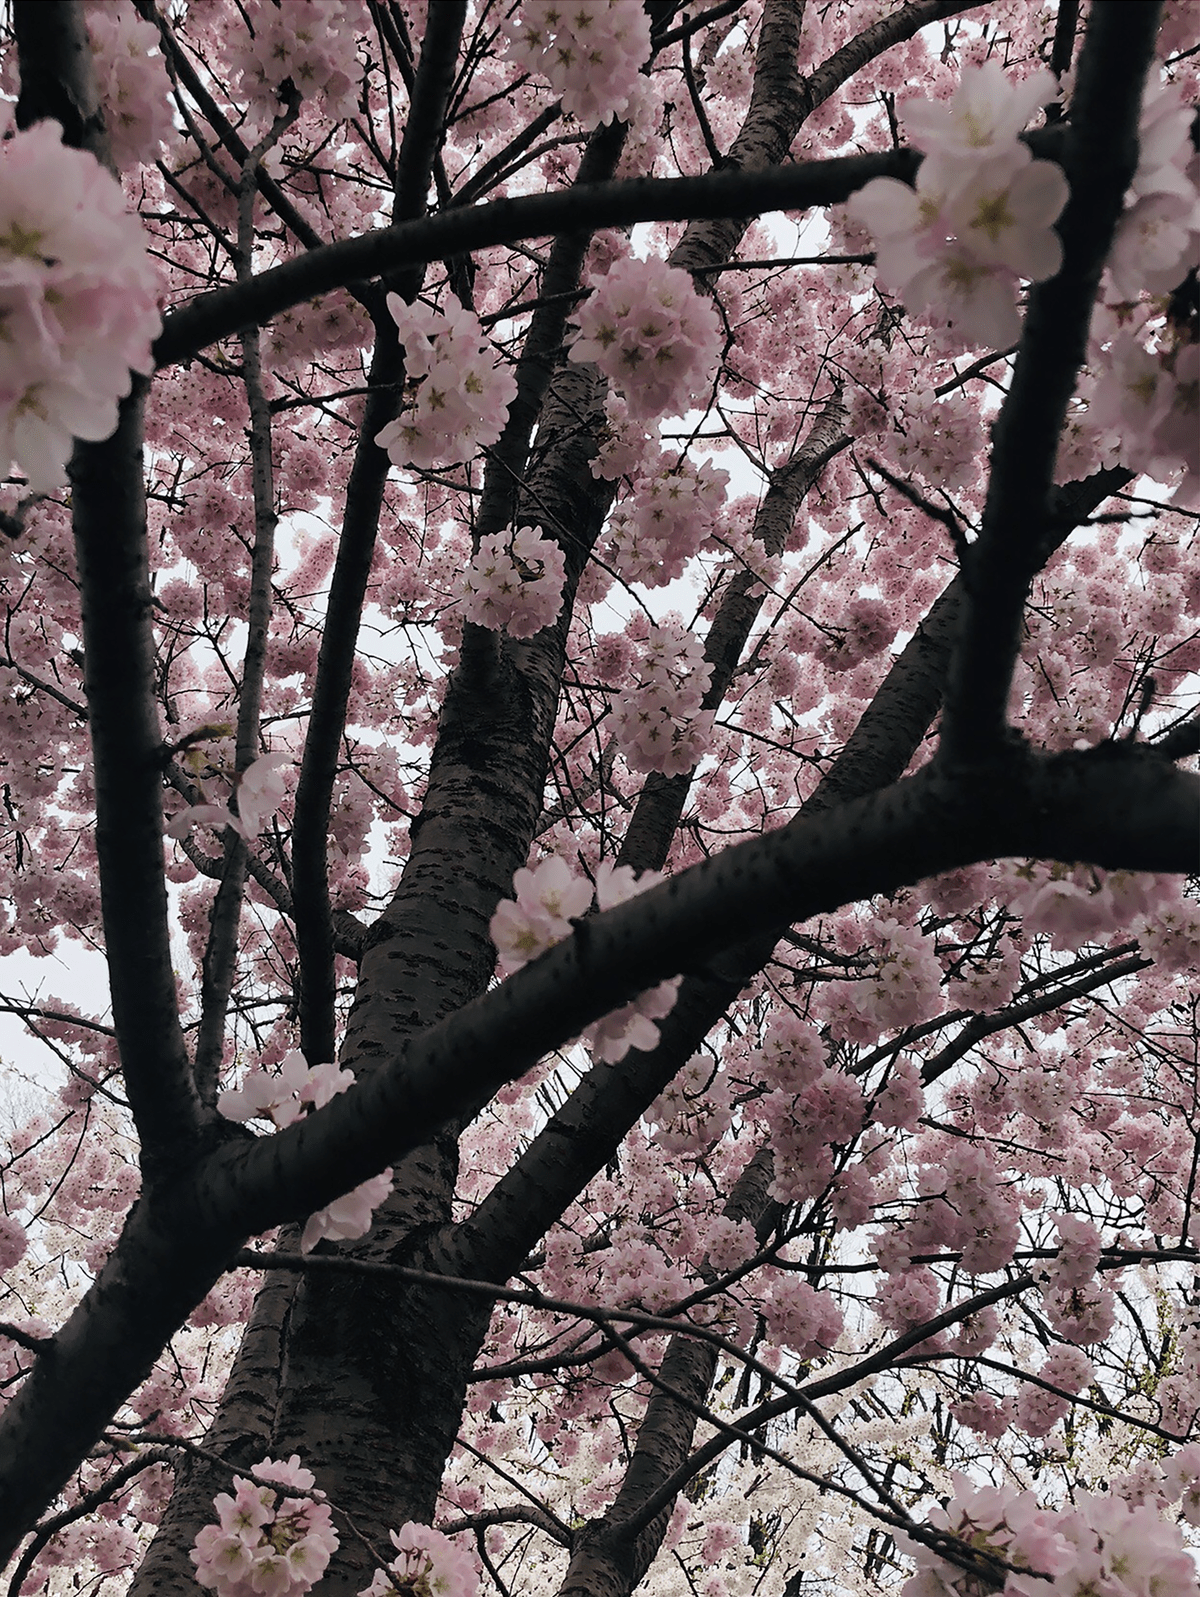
(601, 633)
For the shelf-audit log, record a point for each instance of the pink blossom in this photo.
(13, 1242)
(984, 1414)
(262, 1546)
(981, 214)
(426, 1562)
(800, 1318)
(652, 334)
(659, 724)
(131, 77)
(589, 52)
(349, 1216)
(463, 393)
(260, 788)
(79, 298)
(548, 899)
(983, 118)
(515, 582)
(309, 43)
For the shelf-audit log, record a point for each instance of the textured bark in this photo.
(603, 1558)
(109, 514)
(647, 840)
(1100, 160)
(241, 1434)
(376, 1377)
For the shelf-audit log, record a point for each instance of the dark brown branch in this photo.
(661, 801)
(57, 79)
(1100, 158)
(620, 203)
(109, 510)
(221, 949)
(352, 569)
(884, 1358)
(581, 1137)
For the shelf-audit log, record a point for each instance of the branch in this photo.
(581, 1137)
(987, 1025)
(356, 549)
(873, 1364)
(1126, 809)
(1100, 159)
(109, 512)
(618, 203)
(1181, 742)
(54, 57)
(661, 801)
(221, 949)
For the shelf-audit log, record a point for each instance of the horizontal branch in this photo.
(620, 203)
(1119, 806)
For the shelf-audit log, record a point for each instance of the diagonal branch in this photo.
(352, 569)
(1100, 158)
(1123, 809)
(581, 1137)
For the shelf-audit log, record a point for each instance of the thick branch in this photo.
(1100, 159)
(109, 509)
(1119, 809)
(352, 569)
(619, 203)
(57, 78)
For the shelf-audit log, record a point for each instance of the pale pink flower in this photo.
(515, 582)
(265, 1547)
(349, 1216)
(78, 303)
(589, 51)
(132, 79)
(985, 115)
(653, 336)
(463, 394)
(425, 1562)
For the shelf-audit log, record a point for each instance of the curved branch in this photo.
(1100, 159)
(1119, 809)
(619, 203)
(356, 549)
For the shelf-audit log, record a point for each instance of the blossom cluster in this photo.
(694, 1109)
(463, 394)
(283, 1099)
(260, 791)
(131, 78)
(590, 52)
(799, 1317)
(266, 1544)
(308, 43)
(666, 518)
(966, 1204)
(1036, 1410)
(548, 899)
(902, 988)
(653, 336)
(981, 215)
(659, 725)
(426, 1562)
(1097, 1543)
(78, 300)
(1076, 1305)
(514, 583)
